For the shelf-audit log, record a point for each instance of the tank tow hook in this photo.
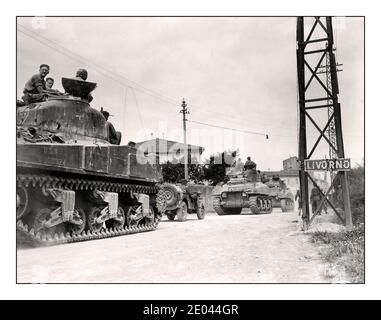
(111, 210)
(65, 212)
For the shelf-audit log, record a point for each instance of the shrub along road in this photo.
(228, 249)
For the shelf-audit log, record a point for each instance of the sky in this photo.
(237, 72)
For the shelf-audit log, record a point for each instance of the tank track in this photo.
(255, 208)
(217, 207)
(24, 180)
(26, 235)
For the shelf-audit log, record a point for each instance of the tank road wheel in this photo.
(150, 218)
(131, 216)
(39, 220)
(117, 222)
(217, 206)
(22, 201)
(171, 216)
(79, 214)
(92, 215)
(269, 206)
(134, 216)
(182, 211)
(253, 205)
(201, 212)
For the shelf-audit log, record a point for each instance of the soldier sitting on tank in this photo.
(82, 76)
(49, 87)
(34, 90)
(113, 135)
(250, 169)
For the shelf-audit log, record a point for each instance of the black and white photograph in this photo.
(190, 158)
(190, 149)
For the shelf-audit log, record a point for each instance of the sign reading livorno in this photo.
(327, 165)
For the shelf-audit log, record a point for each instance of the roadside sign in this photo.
(327, 165)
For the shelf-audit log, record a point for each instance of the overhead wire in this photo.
(111, 74)
(117, 78)
(227, 128)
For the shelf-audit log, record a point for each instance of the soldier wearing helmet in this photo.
(251, 169)
(113, 135)
(82, 76)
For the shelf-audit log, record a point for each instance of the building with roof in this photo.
(167, 150)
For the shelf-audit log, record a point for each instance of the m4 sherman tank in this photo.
(183, 199)
(240, 192)
(281, 196)
(72, 184)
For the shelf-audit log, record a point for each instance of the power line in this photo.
(137, 107)
(117, 77)
(108, 73)
(72, 55)
(221, 127)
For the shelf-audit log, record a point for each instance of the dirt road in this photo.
(229, 249)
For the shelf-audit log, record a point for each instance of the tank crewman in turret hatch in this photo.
(82, 76)
(113, 135)
(251, 169)
(35, 86)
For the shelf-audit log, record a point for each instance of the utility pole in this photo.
(185, 111)
(309, 58)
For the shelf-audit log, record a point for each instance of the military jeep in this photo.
(183, 199)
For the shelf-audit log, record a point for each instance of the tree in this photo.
(174, 172)
(215, 168)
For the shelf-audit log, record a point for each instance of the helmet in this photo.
(82, 73)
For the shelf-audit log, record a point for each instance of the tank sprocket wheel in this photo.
(201, 212)
(253, 205)
(118, 222)
(93, 213)
(22, 201)
(182, 211)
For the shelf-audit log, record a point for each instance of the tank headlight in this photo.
(244, 194)
(224, 195)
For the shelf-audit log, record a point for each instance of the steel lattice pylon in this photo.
(309, 60)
